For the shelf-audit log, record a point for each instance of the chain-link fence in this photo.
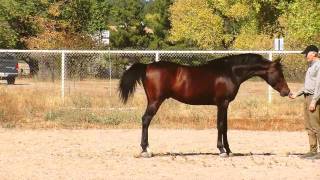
(63, 87)
(88, 72)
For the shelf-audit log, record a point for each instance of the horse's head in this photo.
(275, 78)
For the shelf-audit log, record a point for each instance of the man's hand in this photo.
(292, 95)
(312, 106)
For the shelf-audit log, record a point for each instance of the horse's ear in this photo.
(278, 60)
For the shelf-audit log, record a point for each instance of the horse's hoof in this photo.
(146, 155)
(223, 155)
(143, 155)
(149, 150)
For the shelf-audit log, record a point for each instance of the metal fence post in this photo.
(270, 88)
(62, 73)
(157, 56)
(110, 72)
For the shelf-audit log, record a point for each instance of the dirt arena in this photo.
(179, 154)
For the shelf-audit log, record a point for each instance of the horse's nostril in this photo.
(285, 92)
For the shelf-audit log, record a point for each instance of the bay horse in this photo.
(215, 83)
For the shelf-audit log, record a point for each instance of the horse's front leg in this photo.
(225, 140)
(222, 127)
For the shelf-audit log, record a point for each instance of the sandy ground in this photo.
(179, 154)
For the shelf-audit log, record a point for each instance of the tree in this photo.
(100, 16)
(193, 22)
(249, 38)
(17, 17)
(156, 18)
(301, 24)
(8, 37)
(247, 23)
(126, 16)
(159, 24)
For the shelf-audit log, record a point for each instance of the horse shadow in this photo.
(173, 154)
(16, 84)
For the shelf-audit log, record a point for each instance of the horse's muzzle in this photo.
(285, 92)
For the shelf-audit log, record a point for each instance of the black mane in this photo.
(247, 59)
(239, 59)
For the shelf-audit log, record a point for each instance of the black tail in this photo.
(129, 80)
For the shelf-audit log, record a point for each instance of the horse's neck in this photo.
(245, 72)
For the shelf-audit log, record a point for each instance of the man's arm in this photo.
(316, 95)
(298, 93)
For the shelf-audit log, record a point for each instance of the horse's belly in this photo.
(195, 100)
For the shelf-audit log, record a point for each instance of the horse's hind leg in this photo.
(151, 110)
(225, 142)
